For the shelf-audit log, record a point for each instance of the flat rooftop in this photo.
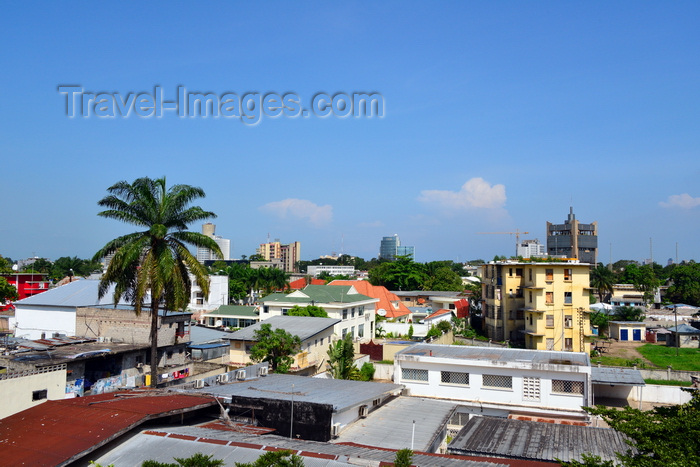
(341, 394)
(497, 354)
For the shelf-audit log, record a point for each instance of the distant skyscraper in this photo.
(391, 247)
(205, 254)
(573, 239)
(290, 254)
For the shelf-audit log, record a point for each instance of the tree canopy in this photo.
(7, 291)
(308, 310)
(341, 359)
(685, 286)
(275, 347)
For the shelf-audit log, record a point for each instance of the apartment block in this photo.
(542, 305)
(289, 254)
(572, 239)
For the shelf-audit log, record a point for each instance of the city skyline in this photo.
(494, 118)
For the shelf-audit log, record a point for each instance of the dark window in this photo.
(39, 395)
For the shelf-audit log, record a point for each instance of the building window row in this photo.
(414, 374)
(497, 381)
(563, 386)
(454, 377)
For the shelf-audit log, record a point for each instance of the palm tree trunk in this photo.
(154, 342)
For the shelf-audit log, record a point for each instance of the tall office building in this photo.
(573, 239)
(205, 254)
(530, 249)
(290, 254)
(391, 247)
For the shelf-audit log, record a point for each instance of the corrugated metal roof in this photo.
(541, 357)
(56, 432)
(302, 326)
(234, 310)
(232, 447)
(391, 425)
(339, 393)
(619, 376)
(73, 294)
(517, 439)
(684, 329)
(202, 335)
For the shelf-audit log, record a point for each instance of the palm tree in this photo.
(154, 264)
(602, 279)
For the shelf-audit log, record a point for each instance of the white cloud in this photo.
(300, 209)
(684, 201)
(475, 193)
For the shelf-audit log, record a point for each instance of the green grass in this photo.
(666, 382)
(616, 361)
(662, 356)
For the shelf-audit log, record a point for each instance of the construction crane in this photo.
(516, 233)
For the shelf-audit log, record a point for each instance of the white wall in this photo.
(17, 391)
(31, 322)
(477, 393)
(367, 319)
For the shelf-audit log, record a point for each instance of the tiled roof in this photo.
(440, 312)
(319, 294)
(301, 283)
(388, 301)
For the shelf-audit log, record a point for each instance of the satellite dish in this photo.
(381, 312)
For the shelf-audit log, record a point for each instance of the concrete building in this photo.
(530, 249)
(333, 270)
(205, 254)
(289, 254)
(355, 311)
(501, 381)
(390, 248)
(315, 334)
(544, 304)
(573, 239)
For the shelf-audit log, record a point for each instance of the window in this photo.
(568, 321)
(529, 273)
(510, 271)
(569, 344)
(497, 381)
(567, 274)
(361, 309)
(519, 272)
(285, 311)
(549, 273)
(550, 344)
(414, 374)
(520, 314)
(530, 299)
(549, 321)
(40, 395)
(352, 312)
(567, 298)
(345, 314)
(454, 377)
(562, 386)
(549, 298)
(352, 331)
(345, 331)
(531, 389)
(361, 330)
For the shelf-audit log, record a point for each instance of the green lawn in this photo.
(616, 361)
(662, 356)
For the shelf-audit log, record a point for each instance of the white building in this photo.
(530, 249)
(550, 384)
(333, 270)
(205, 254)
(355, 311)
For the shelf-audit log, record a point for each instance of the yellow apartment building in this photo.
(543, 305)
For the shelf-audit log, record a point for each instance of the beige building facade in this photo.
(543, 305)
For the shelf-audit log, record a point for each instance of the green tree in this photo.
(41, 265)
(600, 319)
(403, 458)
(685, 284)
(629, 313)
(444, 326)
(663, 436)
(410, 331)
(341, 359)
(602, 279)
(588, 461)
(643, 279)
(7, 291)
(195, 460)
(67, 266)
(281, 458)
(443, 279)
(154, 263)
(308, 310)
(401, 274)
(275, 347)
(5, 265)
(367, 371)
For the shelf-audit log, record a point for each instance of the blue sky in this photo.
(498, 116)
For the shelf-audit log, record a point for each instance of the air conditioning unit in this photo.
(262, 371)
(335, 429)
(222, 378)
(198, 383)
(364, 410)
(240, 375)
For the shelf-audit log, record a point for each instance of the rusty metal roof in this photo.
(58, 432)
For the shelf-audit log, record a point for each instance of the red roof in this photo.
(57, 432)
(301, 283)
(440, 312)
(387, 300)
